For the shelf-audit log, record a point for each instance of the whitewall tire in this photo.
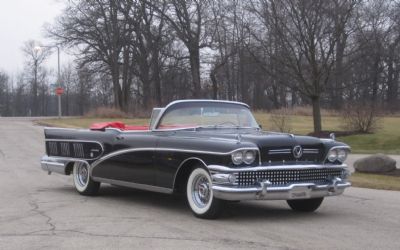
(199, 195)
(82, 181)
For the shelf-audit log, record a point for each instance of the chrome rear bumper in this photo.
(51, 164)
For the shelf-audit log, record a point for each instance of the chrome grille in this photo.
(289, 176)
(78, 150)
(74, 149)
(289, 151)
(53, 150)
(65, 149)
(310, 154)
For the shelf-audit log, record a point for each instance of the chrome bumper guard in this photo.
(263, 190)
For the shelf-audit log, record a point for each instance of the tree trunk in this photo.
(316, 113)
(195, 71)
(34, 107)
(157, 79)
(117, 89)
(214, 84)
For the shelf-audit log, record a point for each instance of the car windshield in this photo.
(207, 114)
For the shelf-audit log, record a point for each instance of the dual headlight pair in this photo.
(337, 154)
(244, 156)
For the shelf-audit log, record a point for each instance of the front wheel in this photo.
(200, 197)
(306, 205)
(82, 181)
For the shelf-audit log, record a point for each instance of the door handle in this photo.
(119, 137)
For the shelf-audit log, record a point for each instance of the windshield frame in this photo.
(186, 103)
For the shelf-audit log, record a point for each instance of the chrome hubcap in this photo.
(201, 191)
(82, 175)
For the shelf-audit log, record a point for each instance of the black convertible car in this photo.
(211, 151)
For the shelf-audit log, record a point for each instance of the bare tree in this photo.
(305, 36)
(35, 57)
(188, 19)
(99, 33)
(4, 95)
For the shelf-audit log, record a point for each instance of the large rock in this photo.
(378, 163)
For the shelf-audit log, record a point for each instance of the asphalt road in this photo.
(38, 211)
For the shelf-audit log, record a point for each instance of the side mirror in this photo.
(332, 136)
(260, 126)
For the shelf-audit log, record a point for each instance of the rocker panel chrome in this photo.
(134, 185)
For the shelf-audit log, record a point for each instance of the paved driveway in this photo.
(38, 211)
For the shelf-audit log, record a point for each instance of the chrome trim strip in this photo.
(134, 185)
(279, 151)
(289, 151)
(58, 128)
(129, 150)
(310, 151)
(224, 169)
(83, 141)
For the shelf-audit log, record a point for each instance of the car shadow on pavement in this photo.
(176, 204)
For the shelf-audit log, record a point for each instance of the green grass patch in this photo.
(375, 181)
(385, 140)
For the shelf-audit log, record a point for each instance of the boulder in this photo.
(378, 163)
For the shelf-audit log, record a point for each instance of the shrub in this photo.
(280, 120)
(106, 112)
(360, 118)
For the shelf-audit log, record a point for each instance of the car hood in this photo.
(273, 147)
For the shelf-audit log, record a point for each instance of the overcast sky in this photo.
(22, 20)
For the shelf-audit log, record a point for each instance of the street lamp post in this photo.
(58, 72)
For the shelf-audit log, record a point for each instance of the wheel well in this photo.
(183, 174)
(69, 168)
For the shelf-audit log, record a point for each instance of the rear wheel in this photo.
(200, 196)
(306, 205)
(82, 181)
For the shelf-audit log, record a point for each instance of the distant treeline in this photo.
(136, 54)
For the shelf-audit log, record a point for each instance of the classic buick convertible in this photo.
(211, 151)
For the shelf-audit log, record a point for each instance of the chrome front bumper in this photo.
(264, 190)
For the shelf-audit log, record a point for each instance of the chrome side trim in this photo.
(82, 141)
(130, 150)
(134, 185)
(224, 169)
(75, 129)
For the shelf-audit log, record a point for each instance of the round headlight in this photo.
(341, 155)
(332, 155)
(237, 157)
(249, 157)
